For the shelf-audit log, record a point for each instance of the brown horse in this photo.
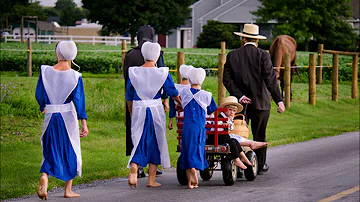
(281, 45)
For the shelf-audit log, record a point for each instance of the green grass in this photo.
(103, 151)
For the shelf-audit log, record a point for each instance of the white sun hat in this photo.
(184, 71)
(150, 51)
(66, 50)
(250, 31)
(197, 76)
(232, 101)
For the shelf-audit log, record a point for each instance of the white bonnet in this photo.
(197, 76)
(66, 50)
(151, 51)
(184, 71)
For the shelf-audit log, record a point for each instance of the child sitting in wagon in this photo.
(234, 107)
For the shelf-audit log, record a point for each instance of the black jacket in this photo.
(248, 71)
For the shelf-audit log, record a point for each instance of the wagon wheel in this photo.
(207, 173)
(229, 170)
(251, 171)
(181, 174)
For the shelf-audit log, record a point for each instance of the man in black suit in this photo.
(134, 58)
(250, 77)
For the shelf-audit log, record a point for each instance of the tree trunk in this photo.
(133, 39)
(306, 45)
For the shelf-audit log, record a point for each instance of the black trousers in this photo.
(129, 144)
(259, 120)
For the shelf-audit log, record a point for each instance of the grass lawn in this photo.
(103, 151)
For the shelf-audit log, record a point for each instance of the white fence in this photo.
(107, 40)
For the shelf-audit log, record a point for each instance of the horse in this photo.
(283, 44)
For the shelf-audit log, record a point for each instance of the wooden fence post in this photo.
(355, 71)
(287, 87)
(320, 64)
(335, 77)
(123, 55)
(221, 63)
(29, 57)
(312, 79)
(180, 61)
(223, 47)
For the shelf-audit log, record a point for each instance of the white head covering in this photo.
(184, 71)
(197, 76)
(151, 51)
(66, 50)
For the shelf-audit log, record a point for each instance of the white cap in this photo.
(66, 50)
(197, 76)
(151, 51)
(184, 71)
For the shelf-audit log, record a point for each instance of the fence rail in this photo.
(107, 40)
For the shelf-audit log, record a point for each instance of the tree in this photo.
(68, 12)
(214, 32)
(123, 16)
(304, 19)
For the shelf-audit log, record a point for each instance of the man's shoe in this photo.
(141, 172)
(158, 172)
(264, 169)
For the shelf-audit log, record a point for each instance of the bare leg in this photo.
(132, 180)
(253, 144)
(188, 175)
(43, 185)
(152, 176)
(194, 178)
(239, 164)
(244, 159)
(68, 190)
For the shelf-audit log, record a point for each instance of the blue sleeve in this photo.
(129, 96)
(79, 100)
(169, 87)
(160, 62)
(40, 93)
(212, 107)
(172, 111)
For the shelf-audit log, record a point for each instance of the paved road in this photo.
(307, 171)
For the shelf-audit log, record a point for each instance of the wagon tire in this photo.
(229, 171)
(181, 174)
(251, 171)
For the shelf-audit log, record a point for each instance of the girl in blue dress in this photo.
(197, 104)
(60, 94)
(148, 121)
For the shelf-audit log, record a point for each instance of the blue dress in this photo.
(193, 154)
(148, 150)
(59, 156)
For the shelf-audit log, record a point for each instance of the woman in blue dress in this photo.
(148, 121)
(60, 94)
(197, 104)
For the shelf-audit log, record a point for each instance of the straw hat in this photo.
(232, 100)
(66, 50)
(250, 31)
(150, 51)
(197, 76)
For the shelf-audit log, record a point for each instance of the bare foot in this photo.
(239, 164)
(42, 189)
(153, 184)
(194, 178)
(244, 159)
(256, 145)
(71, 194)
(132, 181)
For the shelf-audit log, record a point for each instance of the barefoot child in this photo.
(60, 94)
(184, 72)
(197, 104)
(148, 121)
(234, 107)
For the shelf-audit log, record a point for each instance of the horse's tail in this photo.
(276, 55)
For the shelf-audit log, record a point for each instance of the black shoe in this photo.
(264, 169)
(158, 172)
(141, 172)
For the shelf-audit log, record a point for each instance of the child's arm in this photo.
(129, 103)
(177, 99)
(170, 126)
(84, 129)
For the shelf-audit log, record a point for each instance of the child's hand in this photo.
(84, 129)
(44, 111)
(170, 126)
(226, 125)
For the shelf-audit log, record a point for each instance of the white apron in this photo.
(203, 98)
(147, 82)
(58, 86)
